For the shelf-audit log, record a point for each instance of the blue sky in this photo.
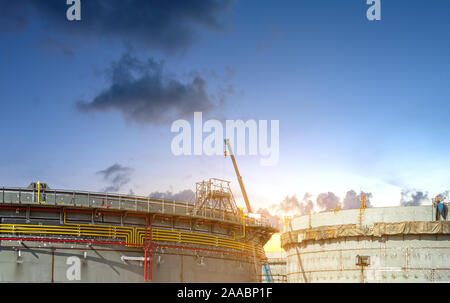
(361, 105)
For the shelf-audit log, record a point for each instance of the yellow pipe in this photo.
(196, 242)
(132, 229)
(210, 241)
(54, 229)
(51, 233)
(64, 229)
(193, 235)
(243, 224)
(136, 234)
(174, 236)
(188, 234)
(39, 193)
(177, 236)
(73, 231)
(185, 232)
(59, 229)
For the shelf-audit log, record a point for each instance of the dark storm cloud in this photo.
(142, 93)
(117, 175)
(182, 196)
(327, 201)
(353, 200)
(168, 25)
(413, 198)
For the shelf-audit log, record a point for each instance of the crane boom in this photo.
(241, 183)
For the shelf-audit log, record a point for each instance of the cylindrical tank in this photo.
(75, 236)
(386, 244)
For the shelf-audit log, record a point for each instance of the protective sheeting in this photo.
(377, 230)
(407, 228)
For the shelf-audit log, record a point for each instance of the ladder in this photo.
(267, 272)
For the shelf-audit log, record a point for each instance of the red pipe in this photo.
(145, 255)
(204, 249)
(122, 243)
(61, 240)
(151, 250)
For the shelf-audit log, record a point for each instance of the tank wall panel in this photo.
(35, 265)
(369, 216)
(397, 259)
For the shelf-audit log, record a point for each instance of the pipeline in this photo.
(121, 243)
(127, 234)
(135, 233)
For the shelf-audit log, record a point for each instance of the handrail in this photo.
(121, 199)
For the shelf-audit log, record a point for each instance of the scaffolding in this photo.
(214, 194)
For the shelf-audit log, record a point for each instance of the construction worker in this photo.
(441, 209)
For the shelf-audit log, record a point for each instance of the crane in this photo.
(241, 183)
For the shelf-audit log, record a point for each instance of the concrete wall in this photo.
(369, 216)
(399, 258)
(277, 263)
(38, 264)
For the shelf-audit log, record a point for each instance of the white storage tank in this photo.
(386, 244)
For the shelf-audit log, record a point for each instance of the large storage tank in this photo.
(388, 244)
(51, 235)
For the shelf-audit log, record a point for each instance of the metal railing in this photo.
(117, 201)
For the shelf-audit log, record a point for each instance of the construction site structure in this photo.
(383, 244)
(214, 195)
(238, 175)
(49, 235)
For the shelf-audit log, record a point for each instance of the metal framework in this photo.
(214, 194)
(238, 175)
